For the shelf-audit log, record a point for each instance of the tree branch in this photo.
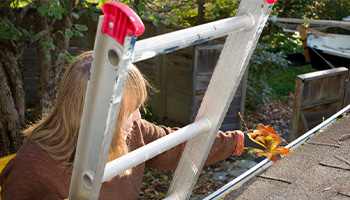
(40, 34)
(333, 166)
(338, 192)
(324, 144)
(341, 158)
(274, 179)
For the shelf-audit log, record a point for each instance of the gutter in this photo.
(333, 23)
(265, 163)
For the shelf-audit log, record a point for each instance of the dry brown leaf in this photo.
(267, 136)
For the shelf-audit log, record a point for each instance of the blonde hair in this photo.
(136, 89)
(57, 132)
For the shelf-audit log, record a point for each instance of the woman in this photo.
(42, 168)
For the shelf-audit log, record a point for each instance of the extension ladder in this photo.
(115, 50)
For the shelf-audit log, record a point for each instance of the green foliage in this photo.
(184, 16)
(9, 31)
(329, 9)
(220, 9)
(280, 41)
(185, 13)
(293, 8)
(270, 77)
(53, 11)
(262, 64)
(283, 81)
(146, 113)
(332, 10)
(306, 9)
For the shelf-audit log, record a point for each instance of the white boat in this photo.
(338, 46)
(327, 52)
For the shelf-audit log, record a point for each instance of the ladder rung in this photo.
(155, 148)
(148, 48)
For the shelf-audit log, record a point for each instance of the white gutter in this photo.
(265, 164)
(333, 23)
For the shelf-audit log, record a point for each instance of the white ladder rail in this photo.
(109, 71)
(87, 182)
(92, 148)
(222, 87)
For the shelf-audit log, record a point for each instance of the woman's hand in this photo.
(249, 142)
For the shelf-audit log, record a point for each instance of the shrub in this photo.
(262, 65)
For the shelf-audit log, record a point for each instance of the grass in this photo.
(282, 81)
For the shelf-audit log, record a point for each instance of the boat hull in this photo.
(334, 50)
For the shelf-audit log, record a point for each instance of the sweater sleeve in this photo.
(225, 144)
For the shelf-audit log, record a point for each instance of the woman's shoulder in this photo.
(30, 154)
(33, 169)
(32, 161)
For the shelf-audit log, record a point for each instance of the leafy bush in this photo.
(262, 65)
(270, 77)
(280, 41)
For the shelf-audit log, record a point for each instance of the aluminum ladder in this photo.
(115, 50)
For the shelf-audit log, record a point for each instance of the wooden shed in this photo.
(182, 77)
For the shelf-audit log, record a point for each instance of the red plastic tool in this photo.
(271, 1)
(121, 21)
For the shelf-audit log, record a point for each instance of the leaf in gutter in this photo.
(267, 136)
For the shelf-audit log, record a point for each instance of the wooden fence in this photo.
(347, 90)
(318, 95)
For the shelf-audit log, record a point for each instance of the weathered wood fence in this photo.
(318, 95)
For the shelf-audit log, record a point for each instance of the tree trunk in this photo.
(50, 65)
(46, 77)
(12, 106)
(46, 80)
(201, 12)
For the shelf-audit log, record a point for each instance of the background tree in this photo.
(50, 34)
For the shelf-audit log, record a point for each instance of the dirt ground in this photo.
(277, 114)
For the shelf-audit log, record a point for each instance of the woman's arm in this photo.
(224, 145)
